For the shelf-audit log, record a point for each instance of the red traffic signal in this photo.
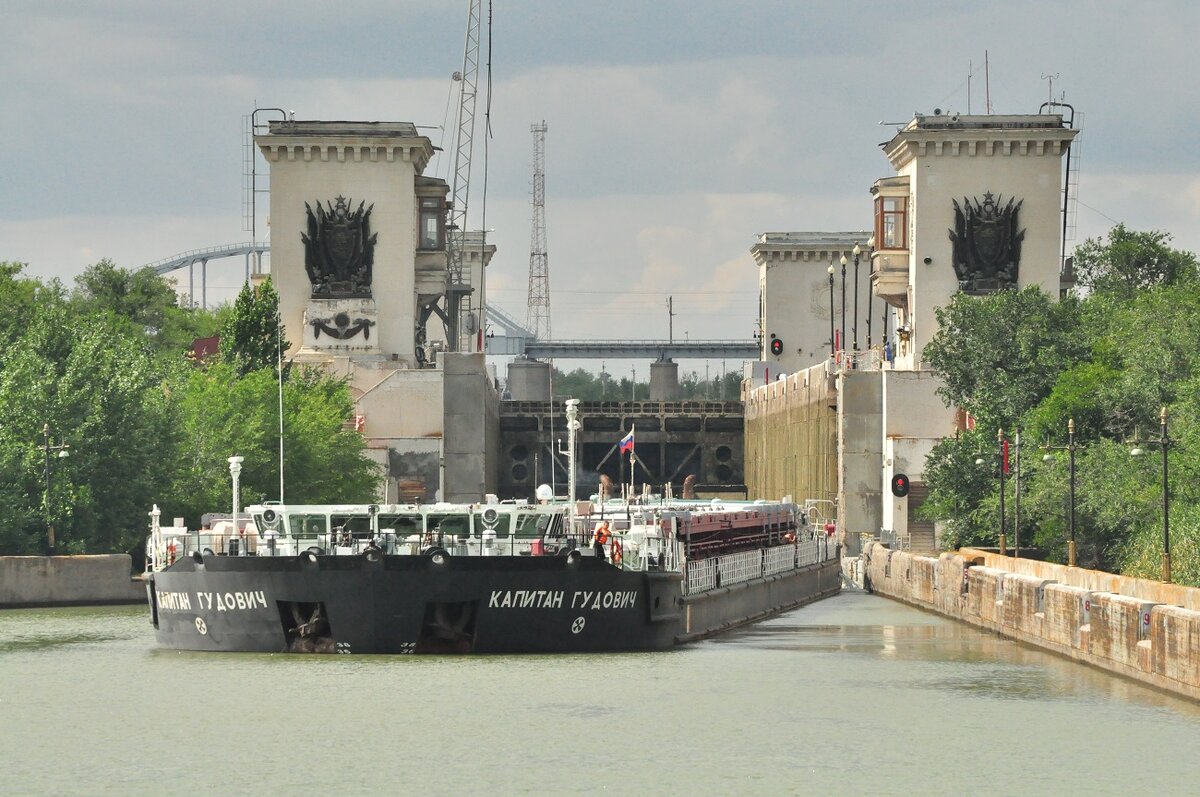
(776, 346)
(900, 485)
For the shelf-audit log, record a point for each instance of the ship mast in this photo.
(573, 427)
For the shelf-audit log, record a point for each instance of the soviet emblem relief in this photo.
(341, 327)
(339, 249)
(987, 243)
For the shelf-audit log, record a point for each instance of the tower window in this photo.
(891, 222)
(431, 230)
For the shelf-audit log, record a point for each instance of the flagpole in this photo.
(632, 457)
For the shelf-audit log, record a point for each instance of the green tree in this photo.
(962, 492)
(223, 414)
(1001, 354)
(141, 296)
(19, 295)
(103, 395)
(1108, 361)
(252, 334)
(141, 302)
(1129, 261)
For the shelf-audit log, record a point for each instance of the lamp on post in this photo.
(1017, 493)
(1164, 443)
(60, 451)
(870, 292)
(1003, 457)
(843, 261)
(235, 472)
(1070, 448)
(832, 338)
(857, 252)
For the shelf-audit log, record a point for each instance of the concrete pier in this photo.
(529, 380)
(664, 380)
(68, 581)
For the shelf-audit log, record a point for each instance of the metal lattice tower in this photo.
(458, 287)
(537, 319)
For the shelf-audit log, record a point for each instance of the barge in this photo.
(642, 573)
(483, 578)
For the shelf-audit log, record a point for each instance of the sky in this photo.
(678, 131)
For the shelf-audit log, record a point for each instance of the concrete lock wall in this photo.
(68, 580)
(791, 436)
(1095, 580)
(860, 455)
(742, 603)
(472, 412)
(1127, 634)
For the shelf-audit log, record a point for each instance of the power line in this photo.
(1096, 210)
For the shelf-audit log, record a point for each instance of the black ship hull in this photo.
(374, 603)
(411, 604)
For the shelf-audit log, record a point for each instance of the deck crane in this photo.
(461, 319)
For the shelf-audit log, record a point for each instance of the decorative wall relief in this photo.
(987, 243)
(341, 327)
(339, 249)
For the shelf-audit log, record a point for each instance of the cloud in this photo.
(678, 130)
(1167, 202)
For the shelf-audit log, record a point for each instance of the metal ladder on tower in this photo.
(459, 305)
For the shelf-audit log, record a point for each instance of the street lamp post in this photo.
(1001, 451)
(883, 332)
(60, 451)
(832, 339)
(870, 291)
(1017, 494)
(843, 262)
(857, 251)
(1164, 443)
(235, 472)
(1070, 448)
(1071, 478)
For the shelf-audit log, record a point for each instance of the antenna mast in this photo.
(458, 289)
(987, 83)
(537, 318)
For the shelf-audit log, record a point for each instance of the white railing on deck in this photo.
(738, 567)
(701, 575)
(734, 568)
(779, 559)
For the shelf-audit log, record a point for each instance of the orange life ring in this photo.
(614, 551)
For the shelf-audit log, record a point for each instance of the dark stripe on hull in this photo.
(409, 604)
(406, 604)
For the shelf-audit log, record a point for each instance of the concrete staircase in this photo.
(921, 539)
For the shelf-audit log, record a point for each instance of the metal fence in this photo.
(734, 568)
(894, 540)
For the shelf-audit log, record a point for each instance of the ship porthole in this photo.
(308, 558)
(439, 556)
(373, 555)
(573, 558)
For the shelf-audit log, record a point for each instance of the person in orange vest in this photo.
(600, 538)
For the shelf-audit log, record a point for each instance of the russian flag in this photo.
(627, 442)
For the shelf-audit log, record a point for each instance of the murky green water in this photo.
(854, 695)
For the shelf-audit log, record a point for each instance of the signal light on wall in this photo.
(776, 346)
(900, 485)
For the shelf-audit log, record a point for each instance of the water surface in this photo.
(853, 695)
